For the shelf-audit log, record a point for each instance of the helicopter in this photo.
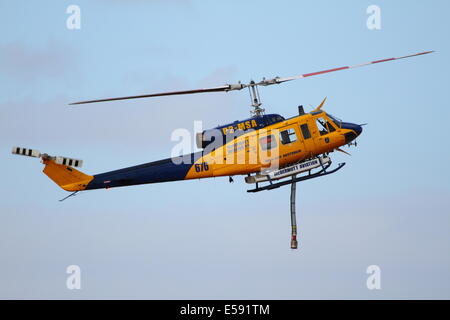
(270, 150)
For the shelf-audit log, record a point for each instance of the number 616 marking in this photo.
(201, 167)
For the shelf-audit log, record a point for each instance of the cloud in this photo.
(142, 127)
(26, 63)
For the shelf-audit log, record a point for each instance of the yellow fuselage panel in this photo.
(263, 148)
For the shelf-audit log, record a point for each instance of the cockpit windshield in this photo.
(336, 121)
(324, 126)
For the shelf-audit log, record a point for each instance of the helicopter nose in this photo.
(352, 126)
(350, 136)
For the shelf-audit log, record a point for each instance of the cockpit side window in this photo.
(330, 126)
(288, 136)
(321, 125)
(324, 126)
(336, 121)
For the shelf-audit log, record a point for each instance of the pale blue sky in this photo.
(210, 239)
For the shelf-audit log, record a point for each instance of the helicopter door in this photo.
(291, 145)
(307, 134)
(236, 157)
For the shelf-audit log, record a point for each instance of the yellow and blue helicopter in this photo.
(270, 150)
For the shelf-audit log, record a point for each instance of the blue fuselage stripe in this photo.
(158, 171)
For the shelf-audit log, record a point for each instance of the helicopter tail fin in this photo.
(60, 169)
(68, 178)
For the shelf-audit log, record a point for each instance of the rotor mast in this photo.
(255, 99)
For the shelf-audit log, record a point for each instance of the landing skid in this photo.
(322, 172)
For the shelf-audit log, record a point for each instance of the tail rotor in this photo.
(44, 156)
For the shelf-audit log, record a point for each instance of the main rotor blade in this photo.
(280, 80)
(239, 86)
(225, 88)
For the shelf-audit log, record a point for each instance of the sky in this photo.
(209, 239)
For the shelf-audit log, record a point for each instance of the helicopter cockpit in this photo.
(335, 120)
(327, 123)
